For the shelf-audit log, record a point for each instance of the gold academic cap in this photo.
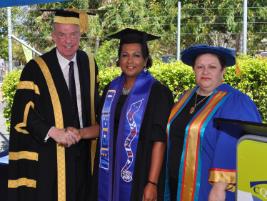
(70, 16)
(129, 35)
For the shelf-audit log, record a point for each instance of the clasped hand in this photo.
(65, 137)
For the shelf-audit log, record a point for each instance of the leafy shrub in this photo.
(106, 75)
(178, 77)
(8, 89)
(106, 54)
(252, 81)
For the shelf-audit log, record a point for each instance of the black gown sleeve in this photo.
(153, 129)
(26, 116)
(157, 112)
(162, 104)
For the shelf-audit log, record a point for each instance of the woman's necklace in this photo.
(125, 91)
(127, 86)
(193, 108)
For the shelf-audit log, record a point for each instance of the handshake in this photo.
(70, 135)
(65, 137)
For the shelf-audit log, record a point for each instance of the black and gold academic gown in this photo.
(44, 171)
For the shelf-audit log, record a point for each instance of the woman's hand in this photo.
(217, 192)
(74, 131)
(89, 132)
(150, 192)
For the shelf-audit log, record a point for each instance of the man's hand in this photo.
(63, 137)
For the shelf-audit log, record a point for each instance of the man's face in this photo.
(67, 39)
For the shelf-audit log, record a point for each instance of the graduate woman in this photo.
(134, 116)
(201, 163)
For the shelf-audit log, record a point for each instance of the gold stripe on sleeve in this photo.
(23, 155)
(31, 183)
(221, 175)
(28, 85)
(20, 127)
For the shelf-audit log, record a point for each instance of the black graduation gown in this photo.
(38, 119)
(153, 129)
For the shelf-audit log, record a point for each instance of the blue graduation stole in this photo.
(115, 183)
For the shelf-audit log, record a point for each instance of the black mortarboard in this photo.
(247, 127)
(67, 17)
(132, 36)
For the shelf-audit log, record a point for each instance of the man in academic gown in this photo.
(55, 91)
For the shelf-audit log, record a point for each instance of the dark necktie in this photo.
(72, 90)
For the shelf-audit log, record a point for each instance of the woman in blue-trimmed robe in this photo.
(201, 159)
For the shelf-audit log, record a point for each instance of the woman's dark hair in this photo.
(220, 58)
(145, 54)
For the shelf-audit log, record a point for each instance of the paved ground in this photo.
(3, 129)
(3, 134)
(2, 119)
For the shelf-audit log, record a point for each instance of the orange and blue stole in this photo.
(190, 166)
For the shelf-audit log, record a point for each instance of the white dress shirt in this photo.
(64, 65)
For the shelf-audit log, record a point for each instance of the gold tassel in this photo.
(237, 69)
(83, 22)
(83, 18)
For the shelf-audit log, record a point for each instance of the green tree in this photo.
(203, 21)
(17, 15)
(257, 26)
(151, 16)
(220, 23)
(3, 34)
